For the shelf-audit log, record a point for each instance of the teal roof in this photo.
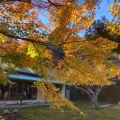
(24, 77)
(29, 78)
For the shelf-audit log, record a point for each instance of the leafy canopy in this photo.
(100, 29)
(55, 50)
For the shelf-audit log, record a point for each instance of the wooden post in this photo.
(21, 92)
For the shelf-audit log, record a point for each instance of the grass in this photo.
(45, 113)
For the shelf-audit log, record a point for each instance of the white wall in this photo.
(67, 94)
(39, 96)
(63, 90)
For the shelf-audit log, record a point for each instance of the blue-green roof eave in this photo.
(29, 78)
(24, 77)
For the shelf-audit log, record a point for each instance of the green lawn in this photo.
(45, 113)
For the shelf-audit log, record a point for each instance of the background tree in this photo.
(99, 29)
(56, 50)
(114, 25)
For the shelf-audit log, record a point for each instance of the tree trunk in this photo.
(93, 95)
(95, 103)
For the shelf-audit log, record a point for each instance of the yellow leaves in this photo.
(53, 94)
(104, 44)
(79, 13)
(112, 69)
(49, 91)
(72, 16)
(32, 51)
(59, 12)
(3, 39)
(19, 6)
(114, 28)
(65, 102)
(76, 15)
(58, 35)
(4, 76)
(69, 3)
(35, 50)
(64, 14)
(115, 9)
(87, 63)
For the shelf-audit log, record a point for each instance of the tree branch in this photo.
(54, 48)
(84, 90)
(26, 39)
(55, 4)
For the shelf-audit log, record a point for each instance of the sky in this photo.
(103, 11)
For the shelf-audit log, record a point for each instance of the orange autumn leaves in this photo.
(65, 23)
(84, 62)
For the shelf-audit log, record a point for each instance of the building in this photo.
(21, 90)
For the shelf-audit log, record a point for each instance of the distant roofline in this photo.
(27, 72)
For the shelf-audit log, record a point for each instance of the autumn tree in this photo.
(104, 28)
(100, 29)
(55, 50)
